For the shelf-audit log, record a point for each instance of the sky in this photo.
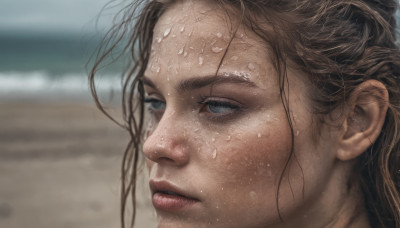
(66, 16)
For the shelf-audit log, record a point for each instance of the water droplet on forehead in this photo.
(201, 60)
(219, 35)
(251, 66)
(216, 49)
(166, 32)
(214, 153)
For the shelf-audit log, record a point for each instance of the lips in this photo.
(167, 197)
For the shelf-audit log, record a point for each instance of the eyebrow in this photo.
(200, 82)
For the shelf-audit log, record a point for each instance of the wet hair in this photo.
(338, 44)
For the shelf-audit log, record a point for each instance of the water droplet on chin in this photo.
(166, 32)
(201, 60)
(216, 49)
(251, 66)
(214, 154)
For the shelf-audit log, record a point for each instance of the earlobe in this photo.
(364, 117)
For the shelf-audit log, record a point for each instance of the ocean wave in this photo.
(41, 82)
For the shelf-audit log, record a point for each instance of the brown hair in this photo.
(337, 43)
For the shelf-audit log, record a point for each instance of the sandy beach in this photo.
(60, 167)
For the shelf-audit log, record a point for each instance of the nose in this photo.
(167, 144)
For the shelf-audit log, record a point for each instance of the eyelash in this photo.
(207, 104)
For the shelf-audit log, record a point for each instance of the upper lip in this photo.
(167, 187)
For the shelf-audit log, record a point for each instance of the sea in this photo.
(52, 67)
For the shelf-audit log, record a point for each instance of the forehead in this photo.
(191, 37)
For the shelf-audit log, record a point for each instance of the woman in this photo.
(264, 113)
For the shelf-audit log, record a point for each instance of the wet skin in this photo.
(223, 140)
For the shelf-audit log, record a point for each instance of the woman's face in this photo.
(217, 145)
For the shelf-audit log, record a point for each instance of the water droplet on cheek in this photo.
(216, 49)
(166, 32)
(214, 154)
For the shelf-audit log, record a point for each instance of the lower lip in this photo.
(167, 202)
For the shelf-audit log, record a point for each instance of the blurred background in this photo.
(59, 156)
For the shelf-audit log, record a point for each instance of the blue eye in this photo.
(155, 105)
(220, 107)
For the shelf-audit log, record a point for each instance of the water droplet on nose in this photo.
(214, 154)
(180, 51)
(259, 135)
(166, 32)
(234, 58)
(251, 66)
(216, 49)
(219, 35)
(182, 29)
(201, 60)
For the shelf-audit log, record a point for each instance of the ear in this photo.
(364, 117)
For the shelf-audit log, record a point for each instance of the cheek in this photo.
(255, 155)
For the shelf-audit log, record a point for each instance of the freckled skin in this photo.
(238, 187)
